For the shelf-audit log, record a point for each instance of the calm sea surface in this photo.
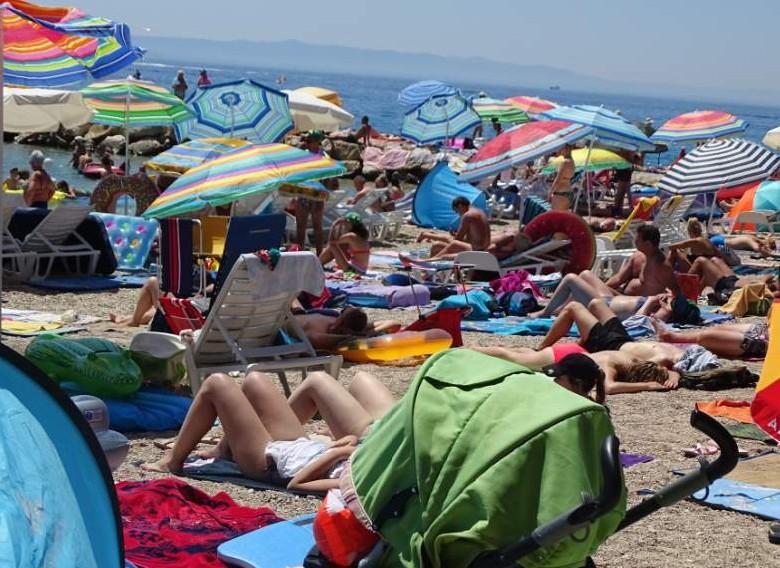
(377, 98)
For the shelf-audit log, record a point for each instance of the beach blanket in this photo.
(168, 523)
(752, 269)
(738, 410)
(707, 319)
(747, 432)
(630, 460)
(513, 325)
(84, 283)
(226, 471)
(388, 297)
(390, 159)
(28, 323)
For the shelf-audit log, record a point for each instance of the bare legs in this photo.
(584, 318)
(303, 210)
(723, 340)
(145, 306)
(525, 356)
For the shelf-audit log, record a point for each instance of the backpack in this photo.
(477, 454)
(728, 376)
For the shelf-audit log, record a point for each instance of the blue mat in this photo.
(151, 409)
(281, 544)
(91, 283)
(763, 502)
(513, 325)
(750, 270)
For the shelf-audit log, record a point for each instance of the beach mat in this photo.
(29, 323)
(91, 283)
(167, 522)
(630, 460)
(281, 544)
(748, 432)
(225, 471)
(738, 410)
(516, 325)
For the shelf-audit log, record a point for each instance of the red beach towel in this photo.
(169, 523)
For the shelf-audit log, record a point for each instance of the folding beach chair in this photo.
(48, 239)
(251, 326)
(16, 264)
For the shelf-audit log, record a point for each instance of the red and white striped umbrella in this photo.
(531, 105)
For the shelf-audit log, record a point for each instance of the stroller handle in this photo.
(696, 480)
(570, 522)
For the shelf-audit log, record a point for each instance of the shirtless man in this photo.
(473, 233)
(560, 196)
(648, 272)
(40, 188)
(509, 243)
(327, 332)
(715, 273)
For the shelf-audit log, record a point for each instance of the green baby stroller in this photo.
(484, 463)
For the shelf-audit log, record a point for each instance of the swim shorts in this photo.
(608, 336)
(756, 341)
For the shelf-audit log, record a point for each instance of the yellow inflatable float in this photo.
(396, 346)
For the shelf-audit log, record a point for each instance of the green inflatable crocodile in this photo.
(98, 366)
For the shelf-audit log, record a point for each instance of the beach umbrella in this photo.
(55, 46)
(532, 106)
(765, 408)
(417, 93)
(488, 109)
(312, 113)
(765, 196)
(184, 157)
(719, 164)
(439, 118)
(238, 109)
(600, 159)
(322, 93)
(699, 126)
(610, 129)
(42, 110)
(521, 145)
(772, 139)
(240, 173)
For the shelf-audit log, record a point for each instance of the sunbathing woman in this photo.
(586, 287)
(348, 245)
(697, 245)
(263, 432)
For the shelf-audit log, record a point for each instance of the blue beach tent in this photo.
(432, 205)
(58, 505)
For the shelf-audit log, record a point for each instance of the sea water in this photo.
(377, 98)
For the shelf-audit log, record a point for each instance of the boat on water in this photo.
(555, 87)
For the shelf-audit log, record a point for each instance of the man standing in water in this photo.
(179, 86)
(40, 188)
(560, 196)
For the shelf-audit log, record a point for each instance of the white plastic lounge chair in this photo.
(762, 222)
(48, 238)
(535, 260)
(249, 316)
(16, 264)
(670, 216)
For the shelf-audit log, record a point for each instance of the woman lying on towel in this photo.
(348, 245)
(263, 432)
(327, 331)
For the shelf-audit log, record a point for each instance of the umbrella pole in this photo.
(587, 178)
(127, 141)
(232, 121)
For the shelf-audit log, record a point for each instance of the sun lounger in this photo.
(251, 326)
(47, 241)
(17, 264)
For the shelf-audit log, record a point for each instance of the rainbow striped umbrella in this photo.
(240, 173)
(700, 125)
(765, 407)
(439, 118)
(128, 102)
(56, 46)
(239, 109)
(598, 160)
(184, 157)
(531, 105)
(521, 145)
(488, 109)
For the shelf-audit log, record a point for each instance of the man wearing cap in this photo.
(40, 188)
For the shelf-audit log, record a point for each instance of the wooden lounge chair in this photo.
(47, 241)
(251, 325)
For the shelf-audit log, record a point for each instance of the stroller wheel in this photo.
(774, 533)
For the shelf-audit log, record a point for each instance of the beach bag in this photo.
(727, 376)
(476, 455)
(481, 304)
(750, 300)
(517, 303)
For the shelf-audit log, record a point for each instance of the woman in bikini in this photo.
(560, 196)
(348, 244)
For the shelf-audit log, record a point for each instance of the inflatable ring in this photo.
(111, 188)
(582, 250)
(396, 346)
(94, 171)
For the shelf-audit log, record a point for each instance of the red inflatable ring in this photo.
(581, 251)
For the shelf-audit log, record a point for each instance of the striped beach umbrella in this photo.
(243, 172)
(505, 113)
(772, 139)
(56, 46)
(128, 102)
(238, 109)
(720, 164)
(700, 125)
(599, 160)
(439, 118)
(610, 128)
(532, 106)
(417, 93)
(184, 157)
(521, 145)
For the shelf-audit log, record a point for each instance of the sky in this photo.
(691, 43)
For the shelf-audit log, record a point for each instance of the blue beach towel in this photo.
(512, 325)
(78, 283)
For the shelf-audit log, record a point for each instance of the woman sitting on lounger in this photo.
(348, 245)
(263, 432)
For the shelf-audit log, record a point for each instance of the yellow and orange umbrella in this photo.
(766, 403)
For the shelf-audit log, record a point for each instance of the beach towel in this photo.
(696, 359)
(630, 460)
(748, 432)
(513, 325)
(168, 523)
(388, 297)
(226, 471)
(747, 498)
(738, 410)
(748, 269)
(28, 323)
(176, 257)
(89, 283)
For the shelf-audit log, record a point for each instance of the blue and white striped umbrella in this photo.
(417, 93)
(610, 128)
(439, 118)
(239, 109)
